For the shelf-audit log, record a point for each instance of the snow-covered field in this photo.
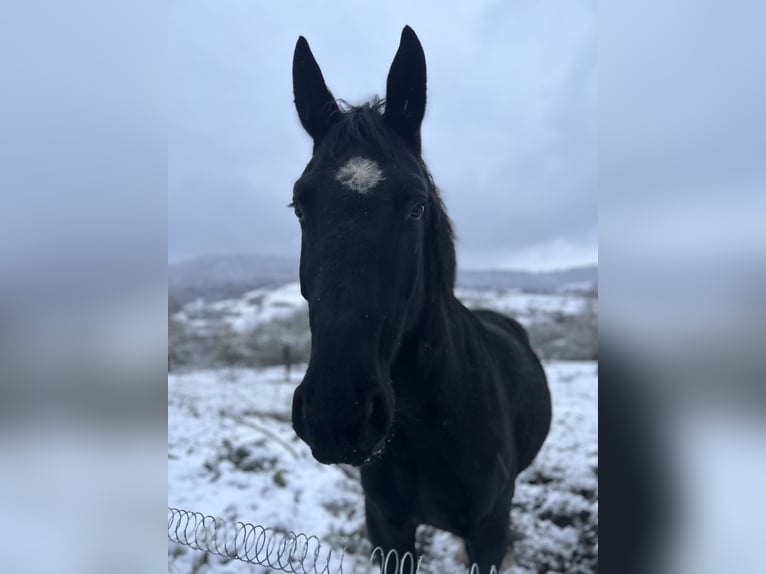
(524, 307)
(232, 453)
(252, 309)
(260, 306)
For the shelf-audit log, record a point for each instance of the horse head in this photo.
(367, 208)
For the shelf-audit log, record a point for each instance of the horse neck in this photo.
(424, 349)
(427, 358)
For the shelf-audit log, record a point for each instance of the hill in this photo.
(539, 282)
(218, 277)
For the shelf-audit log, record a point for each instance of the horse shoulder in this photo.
(523, 378)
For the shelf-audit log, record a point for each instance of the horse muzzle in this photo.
(339, 430)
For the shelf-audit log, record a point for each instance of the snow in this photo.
(232, 453)
(523, 306)
(243, 313)
(260, 306)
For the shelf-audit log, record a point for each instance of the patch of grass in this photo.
(354, 542)
(279, 478)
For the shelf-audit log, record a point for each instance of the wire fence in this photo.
(295, 553)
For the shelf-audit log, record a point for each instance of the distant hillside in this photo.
(216, 277)
(545, 281)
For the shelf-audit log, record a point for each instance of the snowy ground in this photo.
(524, 307)
(262, 305)
(243, 313)
(233, 454)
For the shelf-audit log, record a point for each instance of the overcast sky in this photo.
(510, 132)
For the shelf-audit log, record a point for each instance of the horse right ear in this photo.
(316, 106)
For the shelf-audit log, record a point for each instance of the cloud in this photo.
(509, 134)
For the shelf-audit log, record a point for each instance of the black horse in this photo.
(440, 406)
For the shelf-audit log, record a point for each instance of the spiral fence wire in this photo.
(295, 553)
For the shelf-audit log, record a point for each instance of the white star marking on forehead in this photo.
(359, 174)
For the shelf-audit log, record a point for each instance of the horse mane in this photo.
(444, 259)
(363, 126)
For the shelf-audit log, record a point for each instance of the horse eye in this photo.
(418, 211)
(298, 212)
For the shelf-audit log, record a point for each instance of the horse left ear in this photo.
(406, 88)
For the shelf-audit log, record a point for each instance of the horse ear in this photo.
(406, 88)
(316, 106)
